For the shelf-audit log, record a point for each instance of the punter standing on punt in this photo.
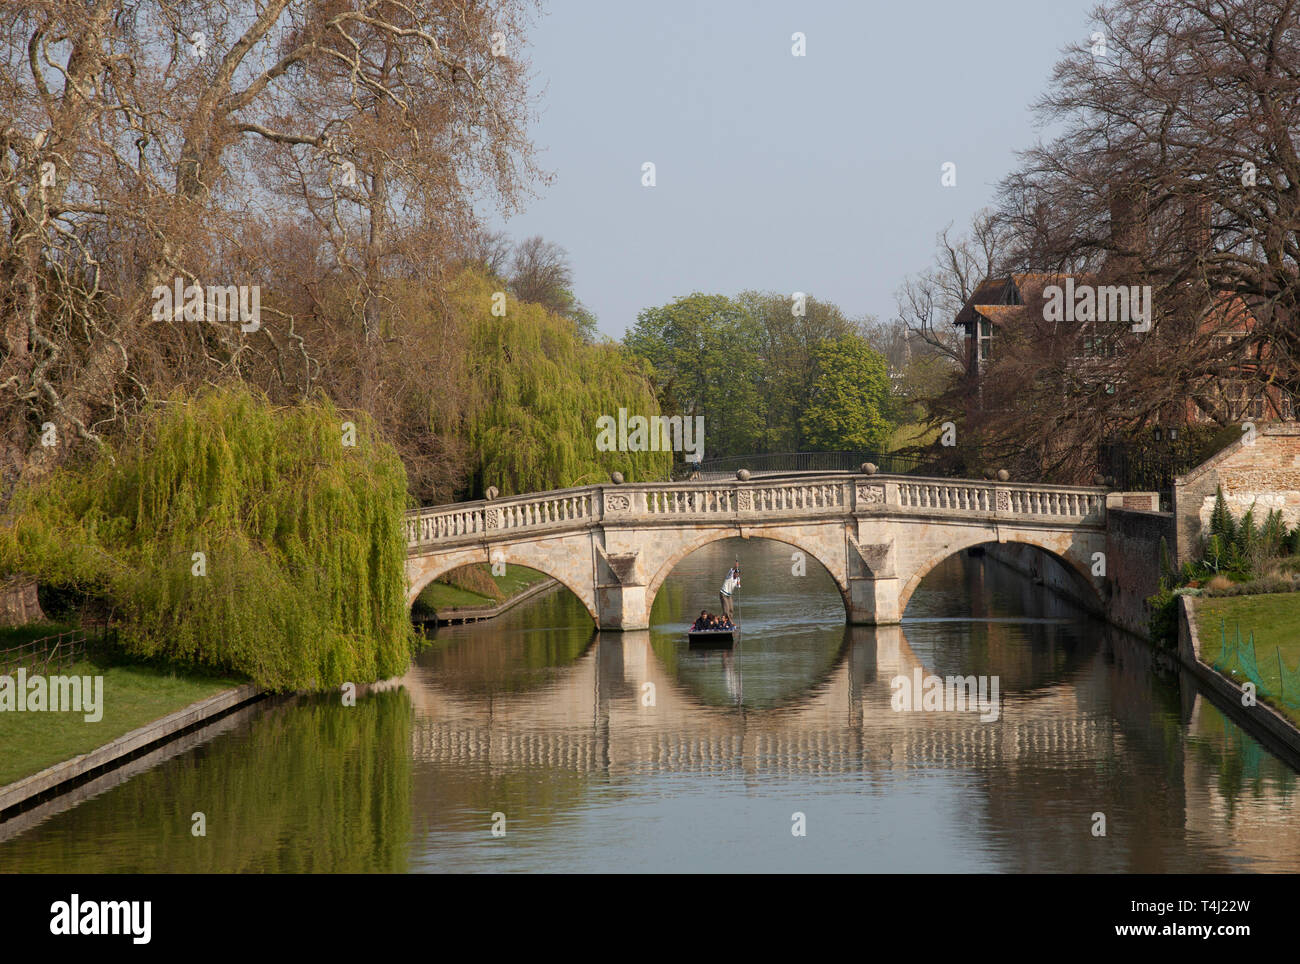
(731, 584)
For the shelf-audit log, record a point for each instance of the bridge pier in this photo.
(874, 602)
(622, 608)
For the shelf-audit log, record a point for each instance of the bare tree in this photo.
(929, 301)
(540, 273)
(1177, 167)
(144, 142)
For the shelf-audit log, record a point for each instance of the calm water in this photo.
(550, 726)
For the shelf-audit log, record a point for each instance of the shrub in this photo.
(1162, 626)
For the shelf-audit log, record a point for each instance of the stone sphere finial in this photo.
(743, 475)
(1003, 475)
(616, 478)
(492, 492)
(869, 468)
(1099, 479)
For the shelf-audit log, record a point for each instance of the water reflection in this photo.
(631, 752)
(309, 786)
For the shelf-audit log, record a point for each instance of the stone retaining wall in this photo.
(53, 779)
(1266, 724)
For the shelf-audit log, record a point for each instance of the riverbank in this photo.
(68, 772)
(440, 602)
(1269, 621)
(132, 696)
(1199, 648)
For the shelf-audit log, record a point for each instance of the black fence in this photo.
(1127, 471)
(777, 463)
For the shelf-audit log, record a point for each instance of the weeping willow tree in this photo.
(236, 536)
(539, 390)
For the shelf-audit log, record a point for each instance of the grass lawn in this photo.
(516, 579)
(1274, 618)
(439, 595)
(132, 697)
(911, 434)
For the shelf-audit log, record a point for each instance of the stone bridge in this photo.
(613, 546)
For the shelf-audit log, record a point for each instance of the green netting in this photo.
(1237, 657)
(1290, 682)
(1247, 661)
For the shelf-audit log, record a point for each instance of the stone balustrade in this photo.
(653, 504)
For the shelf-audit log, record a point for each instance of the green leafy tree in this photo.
(1222, 523)
(787, 345)
(706, 355)
(846, 410)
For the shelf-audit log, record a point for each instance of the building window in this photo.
(985, 338)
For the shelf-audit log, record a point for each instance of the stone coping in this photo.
(69, 771)
(478, 613)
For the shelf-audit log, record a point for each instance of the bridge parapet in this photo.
(757, 500)
(1002, 500)
(474, 521)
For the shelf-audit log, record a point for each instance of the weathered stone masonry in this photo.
(877, 536)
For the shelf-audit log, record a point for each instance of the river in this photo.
(533, 743)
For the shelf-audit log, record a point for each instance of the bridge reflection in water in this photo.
(595, 717)
(800, 718)
(535, 717)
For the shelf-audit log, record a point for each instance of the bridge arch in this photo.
(423, 570)
(1083, 576)
(834, 567)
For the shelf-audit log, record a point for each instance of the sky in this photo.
(819, 173)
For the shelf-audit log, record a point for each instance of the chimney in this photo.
(1128, 229)
(1196, 225)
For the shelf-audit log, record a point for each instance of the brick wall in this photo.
(1133, 563)
(1265, 474)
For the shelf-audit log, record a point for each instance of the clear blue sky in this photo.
(818, 173)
